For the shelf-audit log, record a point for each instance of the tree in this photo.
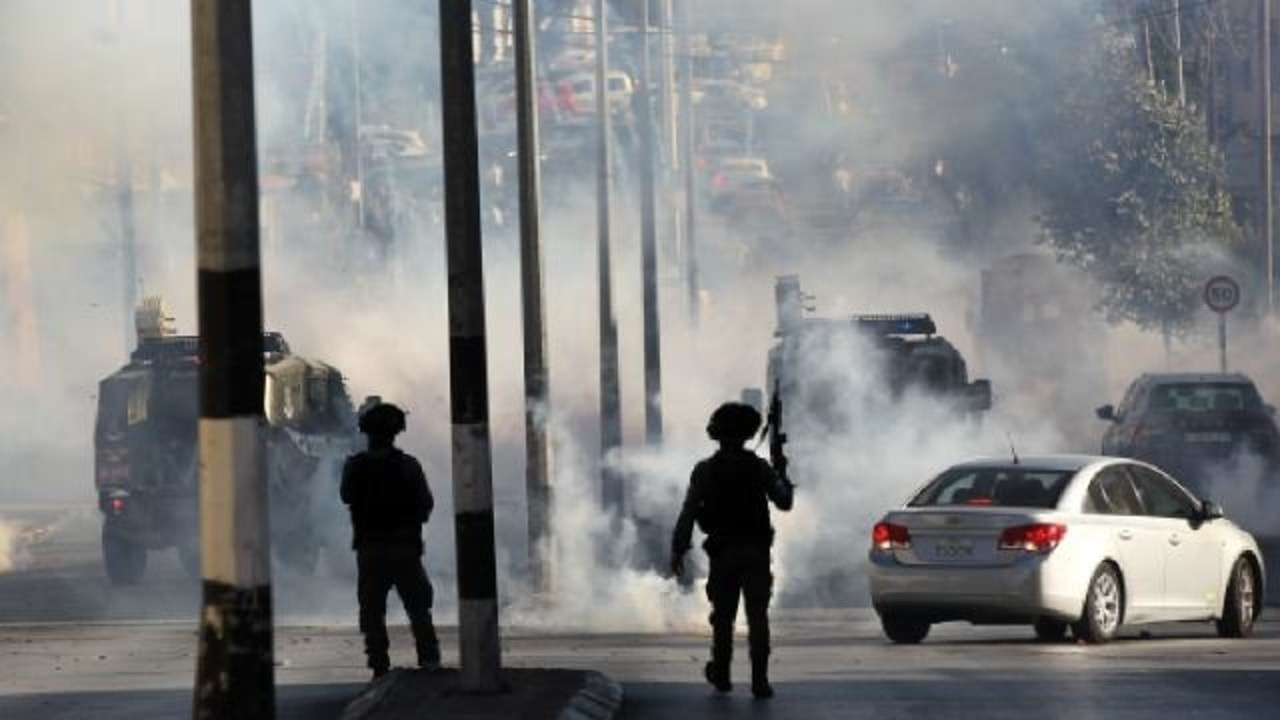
(1132, 187)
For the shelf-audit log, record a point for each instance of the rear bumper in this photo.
(1014, 593)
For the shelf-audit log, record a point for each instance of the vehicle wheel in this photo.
(904, 629)
(189, 558)
(1103, 607)
(1049, 630)
(1240, 606)
(124, 559)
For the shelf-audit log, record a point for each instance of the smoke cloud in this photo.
(378, 313)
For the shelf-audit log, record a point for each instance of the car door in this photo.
(1114, 504)
(1192, 551)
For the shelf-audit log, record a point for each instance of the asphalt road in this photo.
(71, 647)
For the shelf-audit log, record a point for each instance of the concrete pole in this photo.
(128, 241)
(687, 143)
(1179, 70)
(610, 401)
(358, 111)
(537, 484)
(667, 84)
(648, 248)
(468, 359)
(1267, 191)
(234, 670)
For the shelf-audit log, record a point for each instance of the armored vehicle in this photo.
(145, 443)
(899, 353)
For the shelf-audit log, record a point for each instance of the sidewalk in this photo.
(534, 694)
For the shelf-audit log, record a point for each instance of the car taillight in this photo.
(117, 505)
(887, 536)
(1040, 537)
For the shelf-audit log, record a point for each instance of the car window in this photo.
(1160, 497)
(996, 486)
(1203, 397)
(1130, 398)
(1111, 493)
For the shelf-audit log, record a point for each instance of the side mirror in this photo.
(1269, 409)
(1210, 510)
(978, 395)
(1106, 412)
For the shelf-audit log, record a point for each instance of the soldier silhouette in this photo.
(728, 496)
(389, 500)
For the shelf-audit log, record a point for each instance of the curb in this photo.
(599, 699)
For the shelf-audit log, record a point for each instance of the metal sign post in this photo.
(1222, 294)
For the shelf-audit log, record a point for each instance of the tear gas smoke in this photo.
(383, 322)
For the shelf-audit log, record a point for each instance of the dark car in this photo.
(1190, 423)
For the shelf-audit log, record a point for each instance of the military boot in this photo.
(424, 636)
(760, 687)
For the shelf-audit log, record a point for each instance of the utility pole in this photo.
(649, 249)
(468, 359)
(234, 670)
(128, 240)
(357, 105)
(610, 402)
(1177, 49)
(668, 86)
(537, 485)
(686, 140)
(1267, 190)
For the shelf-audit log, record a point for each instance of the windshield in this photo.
(1001, 486)
(1204, 397)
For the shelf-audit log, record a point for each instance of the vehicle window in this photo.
(1203, 397)
(1160, 497)
(996, 486)
(1112, 493)
(1130, 399)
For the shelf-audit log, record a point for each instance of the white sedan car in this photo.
(1085, 542)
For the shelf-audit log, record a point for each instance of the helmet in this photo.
(382, 420)
(733, 421)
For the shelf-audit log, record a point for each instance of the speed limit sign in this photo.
(1221, 294)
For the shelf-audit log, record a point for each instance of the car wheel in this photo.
(1103, 607)
(1240, 606)
(904, 629)
(1049, 630)
(123, 557)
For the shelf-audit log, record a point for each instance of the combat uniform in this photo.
(728, 496)
(389, 500)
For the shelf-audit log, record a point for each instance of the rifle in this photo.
(777, 436)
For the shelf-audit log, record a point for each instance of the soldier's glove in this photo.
(677, 563)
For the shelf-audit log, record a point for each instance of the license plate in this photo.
(953, 549)
(1208, 437)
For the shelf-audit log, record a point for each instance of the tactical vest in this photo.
(736, 507)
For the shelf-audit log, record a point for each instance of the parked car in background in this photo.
(1189, 423)
(735, 174)
(1079, 542)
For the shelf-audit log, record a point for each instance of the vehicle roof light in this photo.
(897, 324)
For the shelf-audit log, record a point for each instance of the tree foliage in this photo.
(1131, 187)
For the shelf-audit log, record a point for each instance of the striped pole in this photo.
(234, 669)
(469, 387)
